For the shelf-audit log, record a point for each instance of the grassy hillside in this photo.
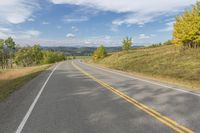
(169, 63)
(12, 79)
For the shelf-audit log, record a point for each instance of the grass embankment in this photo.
(166, 63)
(12, 79)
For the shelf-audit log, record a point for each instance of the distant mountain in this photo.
(80, 51)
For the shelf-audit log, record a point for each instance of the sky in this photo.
(89, 22)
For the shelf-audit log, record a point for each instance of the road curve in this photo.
(79, 98)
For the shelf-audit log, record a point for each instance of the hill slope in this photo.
(170, 63)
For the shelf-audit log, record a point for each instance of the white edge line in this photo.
(154, 83)
(23, 122)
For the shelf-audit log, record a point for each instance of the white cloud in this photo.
(71, 18)
(4, 32)
(169, 27)
(143, 36)
(91, 41)
(139, 19)
(80, 15)
(136, 12)
(75, 29)
(70, 35)
(31, 19)
(33, 33)
(98, 40)
(7, 32)
(45, 22)
(87, 42)
(16, 11)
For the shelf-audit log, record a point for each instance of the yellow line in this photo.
(167, 121)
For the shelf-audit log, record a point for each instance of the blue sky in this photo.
(89, 22)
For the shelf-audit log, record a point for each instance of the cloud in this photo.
(45, 22)
(71, 18)
(17, 11)
(33, 33)
(80, 15)
(75, 29)
(169, 27)
(7, 32)
(70, 35)
(99, 40)
(31, 19)
(133, 11)
(143, 36)
(136, 18)
(84, 42)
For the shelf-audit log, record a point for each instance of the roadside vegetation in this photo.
(99, 53)
(20, 64)
(12, 79)
(12, 55)
(176, 60)
(127, 43)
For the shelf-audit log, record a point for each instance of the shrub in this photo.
(126, 43)
(99, 53)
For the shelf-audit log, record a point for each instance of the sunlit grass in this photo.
(12, 79)
(169, 63)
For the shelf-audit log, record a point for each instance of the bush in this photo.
(52, 57)
(169, 42)
(29, 56)
(99, 53)
(126, 43)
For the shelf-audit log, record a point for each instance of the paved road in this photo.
(79, 98)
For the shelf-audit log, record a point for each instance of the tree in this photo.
(126, 43)
(187, 28)
(9, 42)
(99, 53)
(52, 57)
(36, 54)
(2, 53)
(23, 57)
(168, 42)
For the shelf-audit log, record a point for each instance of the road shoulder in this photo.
(153, 79)
(14, 107)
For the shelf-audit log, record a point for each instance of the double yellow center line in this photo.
(167, 121)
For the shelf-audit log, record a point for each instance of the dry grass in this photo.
(12, 79)
(167, 63)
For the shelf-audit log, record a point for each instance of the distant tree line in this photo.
(11, 55)
(168, 42)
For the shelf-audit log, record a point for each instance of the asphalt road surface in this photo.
(74, 97)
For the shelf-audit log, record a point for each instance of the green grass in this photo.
(13, 79)
(167, 63)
